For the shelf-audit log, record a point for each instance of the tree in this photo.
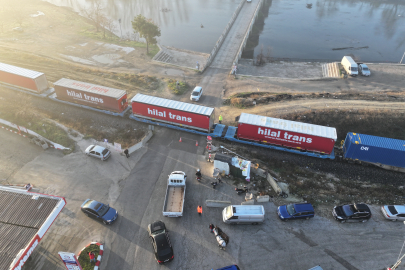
(147, 29)
(95, 14)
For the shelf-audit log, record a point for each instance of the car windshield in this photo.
(290, 209)
(364, 68)
(229, 212)
(158, 232)
(392, 209)
(195, 93)
(354, 69)
(347, 209)
(103, 210)
(92, 147)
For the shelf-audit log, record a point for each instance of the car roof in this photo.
(98, 148)
(197, 88)
(157, 225)
(300, 207)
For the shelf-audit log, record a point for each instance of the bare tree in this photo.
(110, 25)
(95, 14)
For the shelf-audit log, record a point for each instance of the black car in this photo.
(160, 242)
(99, 211)
(359, 212)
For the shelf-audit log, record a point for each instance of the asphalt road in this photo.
(136, 188)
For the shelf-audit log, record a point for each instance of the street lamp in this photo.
(119, 20)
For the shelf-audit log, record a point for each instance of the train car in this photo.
(383, 152)
(173, 112)
(23, 78)
(101, 97)
(287, 133)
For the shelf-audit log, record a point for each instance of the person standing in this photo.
(199, 209)
(212, 228)
(126, 153)
(92, 257)
(220, 119)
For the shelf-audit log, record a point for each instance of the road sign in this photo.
(70, 261)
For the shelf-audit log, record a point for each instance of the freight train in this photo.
(261, 131)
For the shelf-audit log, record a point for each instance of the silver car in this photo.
(393, 212)
(196, 94)
(98, 152)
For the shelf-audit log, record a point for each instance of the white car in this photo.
(196, 94)
(98, 152)
(393, 212)
(363, 70)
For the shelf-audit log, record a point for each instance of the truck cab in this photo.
(350, 66)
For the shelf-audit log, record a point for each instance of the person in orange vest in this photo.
(199, 209)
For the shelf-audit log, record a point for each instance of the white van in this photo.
(350, 66)
(243, 214)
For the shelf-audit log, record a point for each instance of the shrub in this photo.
(178, 89)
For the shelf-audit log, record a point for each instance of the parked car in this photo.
(99, 211)
(98, 152)
(359, 212)
(295, 211)
(364, 70)
(196, 94)
(230, 267)
(161, 242)
(393, 212)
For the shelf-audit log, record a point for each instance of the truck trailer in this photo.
(173, 112)
(383, 152)
(301, 136)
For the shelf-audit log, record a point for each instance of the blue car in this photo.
(295, 211)
(230, 267)
(99, 211)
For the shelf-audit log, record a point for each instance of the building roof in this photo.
(91, 88)
(24, 219)
(304, 128)
(20, 71)
(172, 104)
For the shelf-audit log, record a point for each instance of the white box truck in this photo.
(350, 66)
(243, 214)
(174, 199)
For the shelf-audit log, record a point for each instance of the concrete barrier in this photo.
(274, 184)
(141, 143)
(264, 198)
(213, 203)
(250, 202)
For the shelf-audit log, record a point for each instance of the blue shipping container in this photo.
(374, 149)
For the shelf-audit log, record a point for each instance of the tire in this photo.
(307, 218)
(393, 219)
(342, 221)
(255, 223)
(364, 220)
(105, 222)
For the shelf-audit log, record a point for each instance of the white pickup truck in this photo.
(174, 199)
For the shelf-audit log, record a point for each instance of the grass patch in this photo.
(179, 89)
(84, 258)
(113, 39)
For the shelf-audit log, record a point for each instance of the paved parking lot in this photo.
(136, 188)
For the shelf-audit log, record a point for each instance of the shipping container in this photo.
(23, 78)
(173, 112)
(286, 133)
(383, 152)
(100, 97)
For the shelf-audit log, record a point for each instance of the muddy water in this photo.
(186, 24)
(369, 30)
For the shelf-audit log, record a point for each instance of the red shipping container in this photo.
(173, 112)
(24, 78)
(100, 97)
(287, 133)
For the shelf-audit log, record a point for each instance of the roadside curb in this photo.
(100, 254)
